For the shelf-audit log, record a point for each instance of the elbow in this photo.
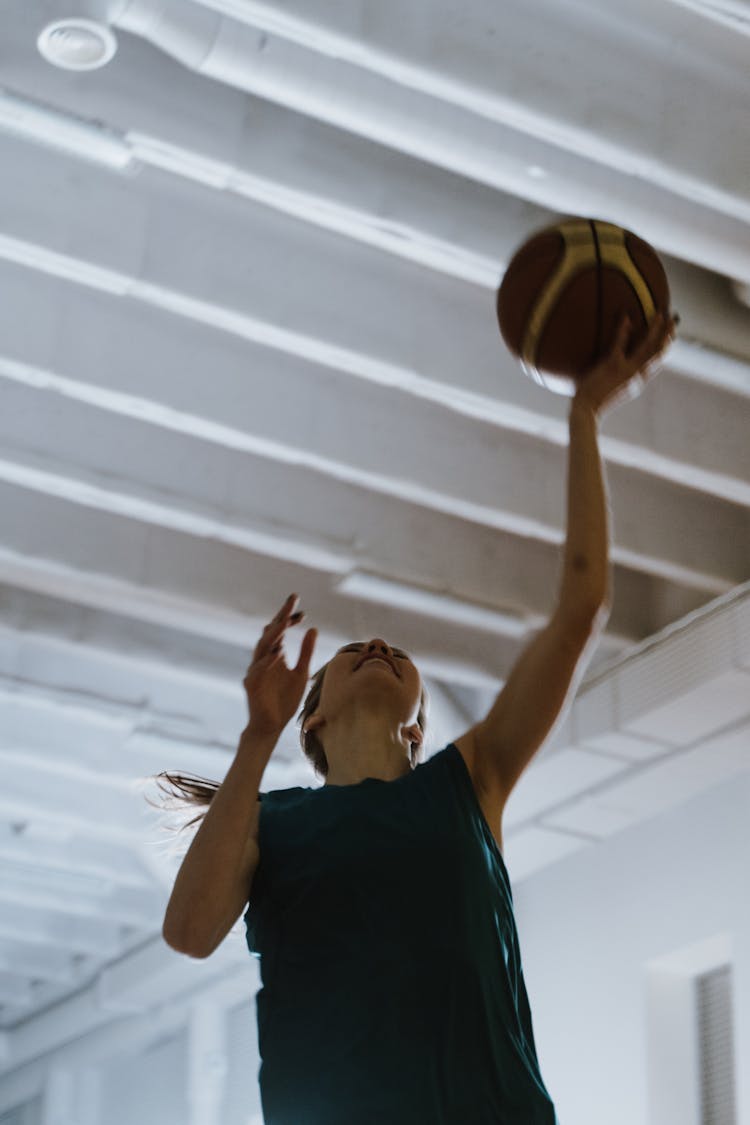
(185, 943)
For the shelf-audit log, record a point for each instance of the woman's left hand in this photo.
(620, 377)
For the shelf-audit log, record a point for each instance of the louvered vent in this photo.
(716, 1048)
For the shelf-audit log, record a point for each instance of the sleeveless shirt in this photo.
(392, 990)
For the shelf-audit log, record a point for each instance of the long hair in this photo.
(183, 789)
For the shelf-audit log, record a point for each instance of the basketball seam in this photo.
(637, 270)
(599, 293)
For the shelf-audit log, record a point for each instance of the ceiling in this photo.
(248, 347)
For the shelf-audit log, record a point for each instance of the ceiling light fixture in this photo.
(76, 44)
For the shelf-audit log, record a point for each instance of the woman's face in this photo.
(375, 669)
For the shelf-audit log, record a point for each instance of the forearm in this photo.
(585, 589)
(206, 886)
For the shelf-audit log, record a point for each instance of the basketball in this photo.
(565, 291)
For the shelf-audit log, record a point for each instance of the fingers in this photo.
(306, 651)
(274, 631)
(661, 332)
(664, 332)
(623, 332)
(662, 329)
(288, 605)
(649, 345)
(285, 616)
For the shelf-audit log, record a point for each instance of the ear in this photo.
(414, 733)
(313, 722)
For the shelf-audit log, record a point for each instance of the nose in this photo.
(378, 645)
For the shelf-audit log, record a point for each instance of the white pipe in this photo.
(403, 105)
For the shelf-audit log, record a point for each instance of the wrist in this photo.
(581, 405)
(257, 736)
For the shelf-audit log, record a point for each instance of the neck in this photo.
(363, 746)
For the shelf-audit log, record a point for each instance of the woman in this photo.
(379, 904)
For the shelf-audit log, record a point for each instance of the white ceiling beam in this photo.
(226, 116)
(107, 682)
(399, 237)
(471, 663)
(143, 500)
(592, 811)
(24, 844)
(454, 121)
(672, 711)
(106, 592)
(57, 851)
(37, 963)
(38, 927)
(223, 448)
(227, 577)
(37, 724)
(371, 43)
(653, 549)
(28, 724)
(15, 990)
(491, 383)
(129, 763)
(433, 233)
(80, 674)
(30, 238)
(33, 793)
(69, 895)
(151, 512)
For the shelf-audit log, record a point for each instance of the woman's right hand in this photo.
(274, 691)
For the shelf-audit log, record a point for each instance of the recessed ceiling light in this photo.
(536, 172)
(75, 44)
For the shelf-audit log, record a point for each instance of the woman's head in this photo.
(364, 682)
(343, 688)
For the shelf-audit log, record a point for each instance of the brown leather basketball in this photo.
(565, 292)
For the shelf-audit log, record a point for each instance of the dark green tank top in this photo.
(392, 988)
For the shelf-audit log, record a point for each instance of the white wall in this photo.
(590, 925)
(155, 1087)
